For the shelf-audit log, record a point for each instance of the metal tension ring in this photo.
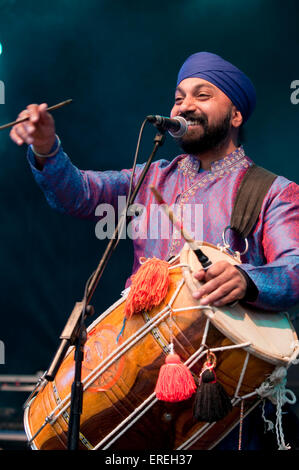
(227, 246)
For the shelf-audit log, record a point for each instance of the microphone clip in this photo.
(176, 126)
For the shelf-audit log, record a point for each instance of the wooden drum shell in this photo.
(131, 379)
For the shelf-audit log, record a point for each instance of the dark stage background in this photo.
(118, 61)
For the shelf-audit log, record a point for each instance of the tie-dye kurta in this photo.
(272, 259)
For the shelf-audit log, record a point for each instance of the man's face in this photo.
(208, 112)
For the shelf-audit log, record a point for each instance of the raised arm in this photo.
(66, 188)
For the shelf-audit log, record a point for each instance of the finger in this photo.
(217, 268)
(233, 296)
(33, 112)
(24, 132)
(200, 275)
(212, 285)
(16, 132)
(43, 107)
(23, 114)
(222, 291)
(44, 115)
(15, 137)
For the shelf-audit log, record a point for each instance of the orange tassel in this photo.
(149, 287)
(175, 381)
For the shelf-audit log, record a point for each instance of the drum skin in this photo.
(131, 379)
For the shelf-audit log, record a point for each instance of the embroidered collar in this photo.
(190, 165)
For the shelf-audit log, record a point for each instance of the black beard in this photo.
(212, 137)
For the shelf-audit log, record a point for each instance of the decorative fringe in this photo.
(149, 287)
(211, 402)
(175, 382)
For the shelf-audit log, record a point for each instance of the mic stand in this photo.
(77, 389)
(74, 332)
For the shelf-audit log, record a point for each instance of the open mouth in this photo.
(194, 123)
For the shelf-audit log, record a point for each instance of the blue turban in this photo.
(225, 76)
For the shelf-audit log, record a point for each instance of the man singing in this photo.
(216, 99)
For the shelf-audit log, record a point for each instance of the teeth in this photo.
(193, 123)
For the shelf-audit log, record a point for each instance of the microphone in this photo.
(176, 126)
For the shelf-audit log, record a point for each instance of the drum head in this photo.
(270, 334)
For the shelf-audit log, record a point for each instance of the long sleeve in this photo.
(278, 278)
(272, 259)
(77, 192)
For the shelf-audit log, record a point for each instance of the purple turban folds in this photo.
(225, 76)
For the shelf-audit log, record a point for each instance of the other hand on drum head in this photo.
(224, 284)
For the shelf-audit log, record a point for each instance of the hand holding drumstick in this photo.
(36, 126)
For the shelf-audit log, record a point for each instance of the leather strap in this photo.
(249, 199)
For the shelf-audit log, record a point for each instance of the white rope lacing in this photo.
(274, 388)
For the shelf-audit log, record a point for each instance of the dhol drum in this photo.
(121, 365)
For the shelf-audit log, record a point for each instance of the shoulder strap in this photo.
(249, 199)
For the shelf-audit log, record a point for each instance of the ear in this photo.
(237, 118)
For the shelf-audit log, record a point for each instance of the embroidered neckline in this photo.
(190, 165)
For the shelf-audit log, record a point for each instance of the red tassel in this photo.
(149, 287)
(175, 381)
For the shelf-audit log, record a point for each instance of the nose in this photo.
(188, 104)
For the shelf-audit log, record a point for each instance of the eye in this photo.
(178, 99)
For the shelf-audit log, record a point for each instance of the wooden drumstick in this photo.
(52, 108)
(203, 259)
